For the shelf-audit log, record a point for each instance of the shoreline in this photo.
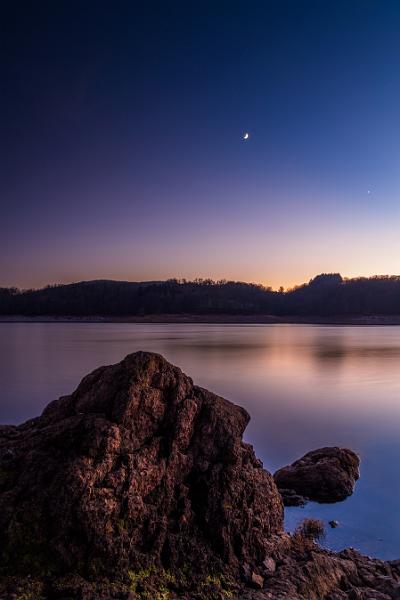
(210, 319)
(206, 427)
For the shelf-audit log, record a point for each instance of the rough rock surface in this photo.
(137, 467)
(138, 487)
(323, 475)
(305, 572)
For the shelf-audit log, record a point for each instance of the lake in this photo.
(305, 386)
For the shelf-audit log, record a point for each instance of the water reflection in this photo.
(304, 387)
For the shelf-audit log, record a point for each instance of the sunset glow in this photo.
(131, 165)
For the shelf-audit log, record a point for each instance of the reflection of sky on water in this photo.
(304, 387)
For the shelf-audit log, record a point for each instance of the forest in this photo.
(324, 295)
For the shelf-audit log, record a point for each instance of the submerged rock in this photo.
(323, 475)
(291, 498)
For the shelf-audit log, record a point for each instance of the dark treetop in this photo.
(325, 295)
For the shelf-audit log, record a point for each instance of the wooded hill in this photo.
(325, 295)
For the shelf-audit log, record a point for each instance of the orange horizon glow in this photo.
(275, 284)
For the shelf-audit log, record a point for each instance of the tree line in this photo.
(324, 295)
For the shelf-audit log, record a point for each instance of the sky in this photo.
(121, 140)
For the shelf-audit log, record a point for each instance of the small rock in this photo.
(257, 581)
(334, 523)
(323, 475)
(269, 566)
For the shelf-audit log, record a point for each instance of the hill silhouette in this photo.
(324, 295)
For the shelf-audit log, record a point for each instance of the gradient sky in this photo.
(121, 140)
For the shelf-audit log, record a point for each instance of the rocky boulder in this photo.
(323, 475)
(138, 469)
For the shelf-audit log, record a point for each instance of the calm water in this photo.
(304, 387)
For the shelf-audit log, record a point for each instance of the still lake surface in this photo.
(305, 386)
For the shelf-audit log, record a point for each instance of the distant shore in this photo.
(210, 319)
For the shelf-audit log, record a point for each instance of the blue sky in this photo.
(122, 153)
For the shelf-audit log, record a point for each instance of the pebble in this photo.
(334, 523)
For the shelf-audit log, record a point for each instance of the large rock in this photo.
(137, 467)
(323, 475)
